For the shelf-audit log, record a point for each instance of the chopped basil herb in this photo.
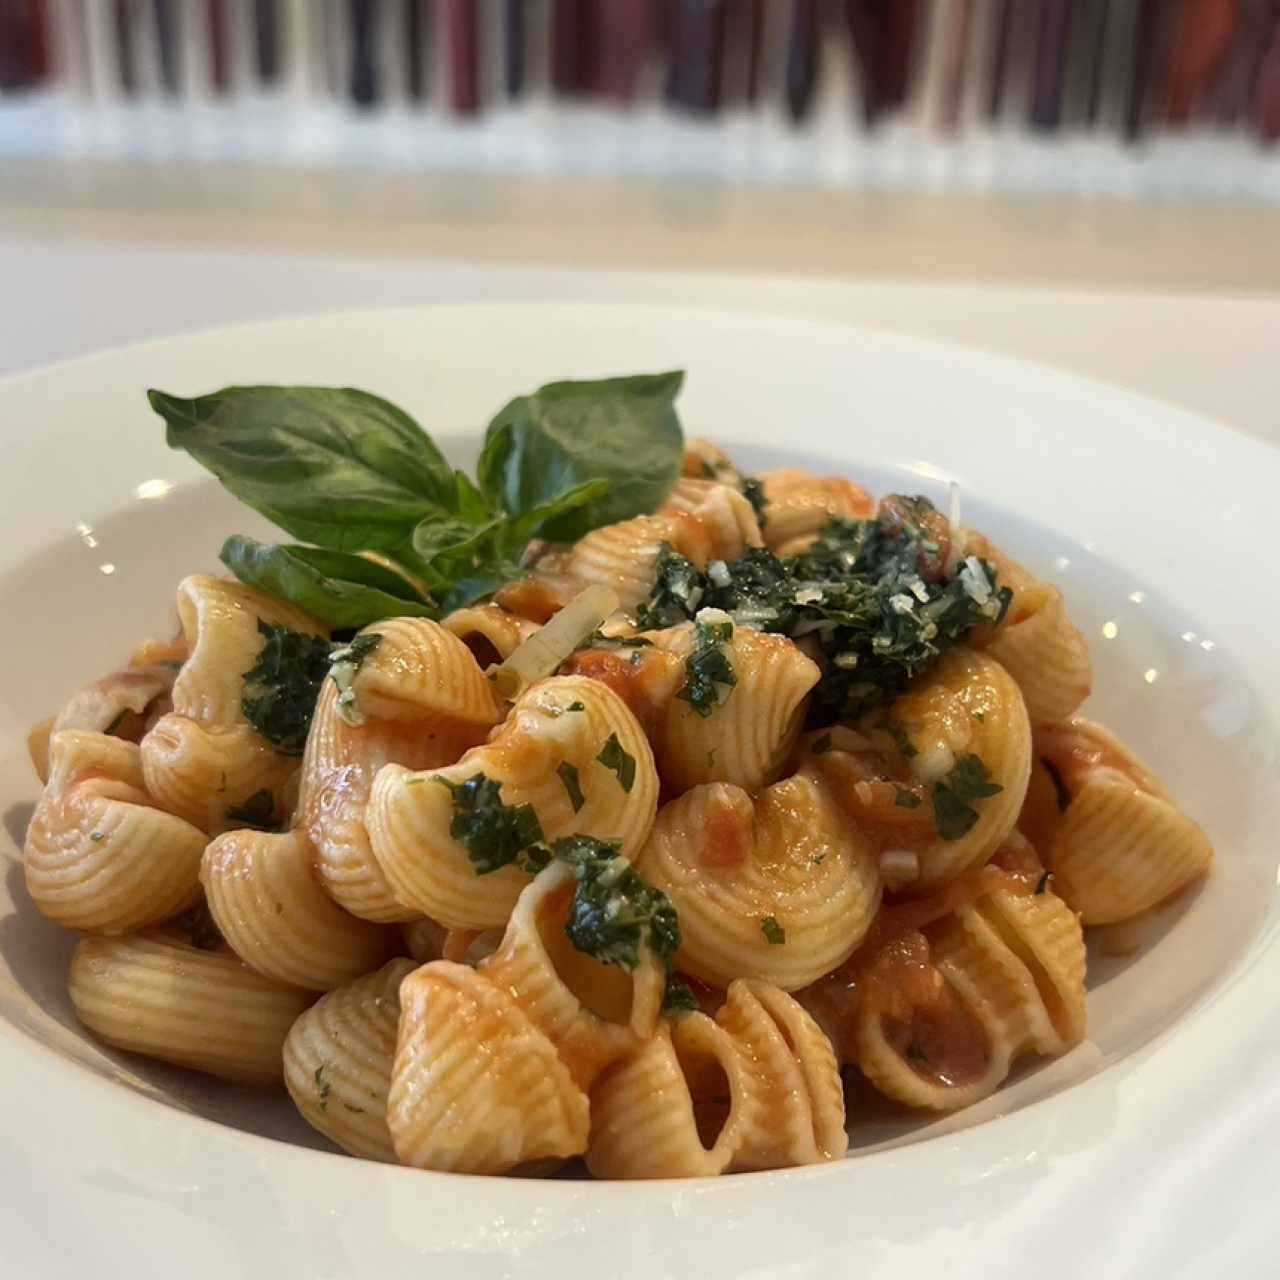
(280, 689)
(774, 933)
(96, 836)
(257, 811)
(968, 780)
(493, 833)
(1043, 883)
(870, 593)
(679, 997)
(569, 776)
(323, 1087)
(707, 668)
(615, 911)
(614, 756)
(753, 491)
(980, 716)
(906, 799)
(116, 723)
(597, 640)
(821, 744)
(576, 706)
(344, 664)
(906, 748)
(1059, 786)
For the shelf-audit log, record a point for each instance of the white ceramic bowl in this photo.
(1136, 1154)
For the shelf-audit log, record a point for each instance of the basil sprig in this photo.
(349, 472)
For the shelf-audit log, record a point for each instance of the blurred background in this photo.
(317, 153)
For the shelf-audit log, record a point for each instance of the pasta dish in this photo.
(607, 804)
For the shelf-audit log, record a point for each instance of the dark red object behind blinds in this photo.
(219, 45)
(1146, 34)
(1266, 88)
(695, 53)
(1200, 44)
(623, 37)
(464, 57)
(24, 50)
(573, 46)
(883, 33)
(1049, 74)
(755, 46)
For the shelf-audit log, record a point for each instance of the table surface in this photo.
(1212, 352)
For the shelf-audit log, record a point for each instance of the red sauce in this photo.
(727, 839)
(531, 598)
(637, 676)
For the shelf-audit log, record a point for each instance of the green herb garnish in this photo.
(774, 933)
(614, 756)
(97, 836)
(281, 688)
(707, 668)
(494, 834)
(323, 1087)
(678, 997)
(969, 779)
(344, 664)
(569, 776)
(350, 472)
(906, 799)
(576, 706)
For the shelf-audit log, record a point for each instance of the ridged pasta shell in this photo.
(795, 1111)
(99, 707)
(99, 855)
(730, 863)
(799, 504)
(338, 769)
(475, 1086)
(409, 814)
(966, 705)
(154, 995)
(337, 1061)
(624, 556)
(753, 727)
(268, 905)
(491, 632)
(726, 517)
(1038, 644)
(673, 1109)
(590, 1011)
(204, 757)
(1122, 846)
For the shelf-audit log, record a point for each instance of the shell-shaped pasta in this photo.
(590, 1011)
(751, 730)
(153, 994)
(337, 1061)
(562, 721)
(624, 556)
(799, 504)
(705, 461)
(268, 905)
(475, 1086)
(740, 870)
(967, 706)
(674, 1108)
(338, 769)
(795, 1111)
(1121, 846)
(99, 855)
(491, 632)
(117, 703)
(204, 757)
(1038, 644)
(726, 517)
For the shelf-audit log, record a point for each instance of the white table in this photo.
(1214, 353)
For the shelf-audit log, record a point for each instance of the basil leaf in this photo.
(334, 466)
(339, 589)
(622, 430)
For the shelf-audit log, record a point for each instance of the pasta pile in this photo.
(642, 906)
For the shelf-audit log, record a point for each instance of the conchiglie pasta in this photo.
(475, 1086)
(99, 855)
(422, 701)
(560, 724)
(1037, 643)
(491, 632)
(337, 1061)
(267, 903)
(1112, 836)
(778, 887)
(727, 520)
(965, 714)
(204, 757)
(799, 504)
(624, 556)
(591, 1012)
(152, 994)
(750, 731)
